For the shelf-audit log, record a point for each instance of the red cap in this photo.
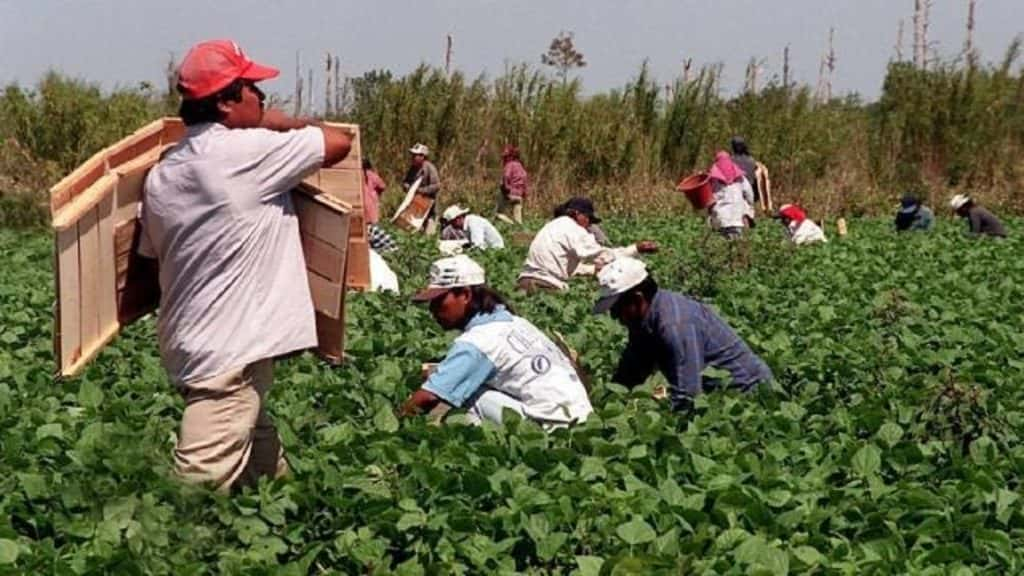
(210, 66)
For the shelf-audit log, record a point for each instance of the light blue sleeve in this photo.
(462, 372)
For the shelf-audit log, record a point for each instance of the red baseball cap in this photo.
(210, 66)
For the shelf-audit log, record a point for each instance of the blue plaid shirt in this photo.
(681, 337)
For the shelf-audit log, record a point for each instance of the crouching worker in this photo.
(670, 332)
(499, 361)
(564, 244)
(799, 228)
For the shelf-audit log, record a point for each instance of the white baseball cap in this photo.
(447, 273)
(617, 278)
(453, 212)
(419, 149)
(958, 201)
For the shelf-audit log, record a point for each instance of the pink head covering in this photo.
(724, 169)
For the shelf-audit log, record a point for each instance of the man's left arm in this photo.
(432, 181)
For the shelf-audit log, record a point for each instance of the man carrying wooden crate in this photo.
(218, 218)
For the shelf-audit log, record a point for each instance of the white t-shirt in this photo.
(559, 248)
(218, 216)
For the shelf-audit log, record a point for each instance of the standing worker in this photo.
(913, 215)
(565, 243)
(732, 210)
(459, 223)
(219, 220)
(514, 186)
(980, 222)
(742, 158)
(674, 334)
(373, 189)
(500, 361)
(430, 182)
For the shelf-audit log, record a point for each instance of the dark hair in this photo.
(367, 165)
(205, 110)
(485, 300)
(739, 146)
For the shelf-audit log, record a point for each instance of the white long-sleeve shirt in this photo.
(482, 234)
(560, 247)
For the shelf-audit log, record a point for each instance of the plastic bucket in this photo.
(697, 189)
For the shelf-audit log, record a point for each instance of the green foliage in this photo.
(889, 444)
(46, 132)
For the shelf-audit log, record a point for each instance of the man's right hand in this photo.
(646, 246)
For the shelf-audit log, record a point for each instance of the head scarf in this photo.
(724, 169)
(792, 212)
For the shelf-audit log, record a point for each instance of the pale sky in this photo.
(123, 42)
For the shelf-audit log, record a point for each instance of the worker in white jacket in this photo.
(732, 211)
(499, 362)
(563, 244)
(800, 229)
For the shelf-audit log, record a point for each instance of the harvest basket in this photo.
(697, 188)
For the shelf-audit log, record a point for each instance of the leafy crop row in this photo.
(889, 445)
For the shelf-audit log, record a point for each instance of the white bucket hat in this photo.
(447, 273)
(958, 201)
(617, 278)
(419, 150)
(453, 212)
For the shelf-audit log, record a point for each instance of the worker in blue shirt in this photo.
(673, 333)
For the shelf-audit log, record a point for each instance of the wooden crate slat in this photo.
(174, 130)
(326, 295)
(138, 291)
(345, 185)
(89, 275)
(357, 275)
(354, 160)
(90, 351)
(107, 273)
(85, 202)
(68, 342)
(330, 333)
(130, 182)
(81, 178)
(323, 259)
(323, 224)
(143, 140)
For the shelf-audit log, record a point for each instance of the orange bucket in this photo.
(697, 188)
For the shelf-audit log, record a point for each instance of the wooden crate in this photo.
(344, 181)
(101, 283)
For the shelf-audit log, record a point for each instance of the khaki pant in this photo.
(509, 203)
(227, 438)
(533, 285)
